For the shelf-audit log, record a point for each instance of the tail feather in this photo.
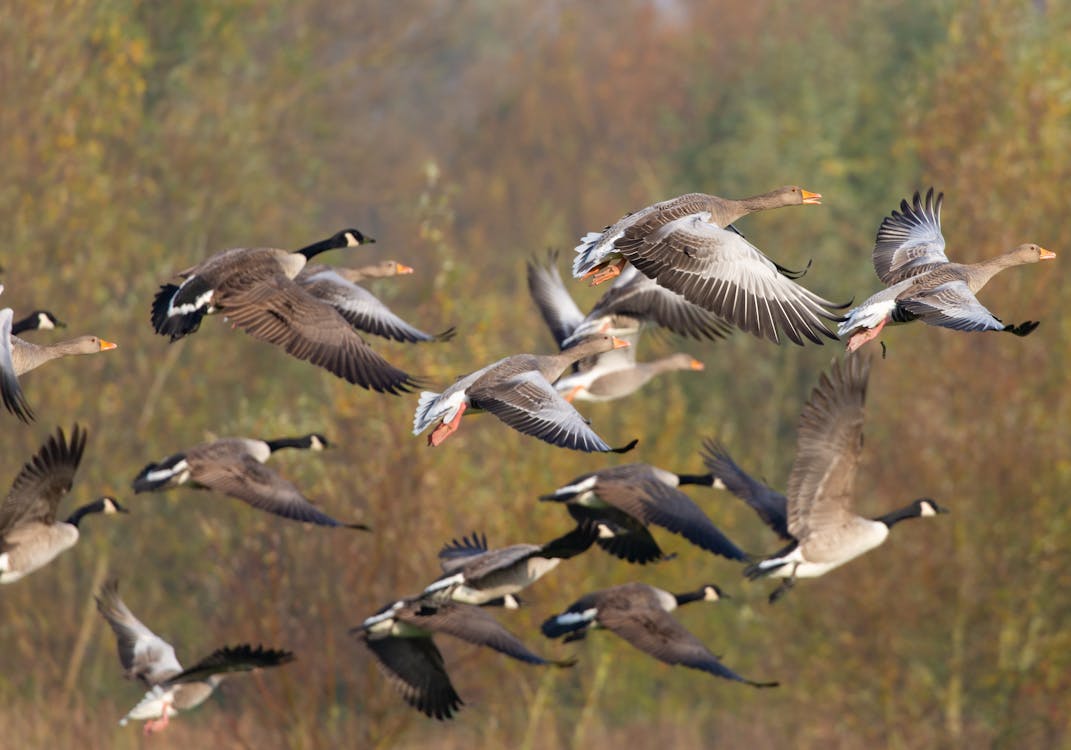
(178, 310)
(160, 475)
(426, 413)
(571, 624)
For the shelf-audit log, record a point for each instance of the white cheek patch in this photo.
(927, 510)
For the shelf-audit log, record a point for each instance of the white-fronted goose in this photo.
(639, 614)
(818, 519)
(38, 320)
(909, 256)
(400, 638)
(627, 498)
(18, 356)
(255, 289)
(30, 536)
(474, 574)
(362, 309)
(149, 659)
(518, 390)
(235, 467)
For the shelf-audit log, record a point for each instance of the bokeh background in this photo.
(138, 137)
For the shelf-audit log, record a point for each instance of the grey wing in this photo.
(829, 442)
(279, 312)
(473, 625)
(555, 304)
(144, 655)
(909, 241)
(362, 309)
(652, 501)
(639, 296)
(414, 666)
(951, 305)
(457, 554)
(654, 631)
(724, 273)
(529, 404)
(770, 505)
(10, 391)
(247, 479)
(498, 559)
(43, 481)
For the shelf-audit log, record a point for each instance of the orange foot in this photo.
(156, 725)
(446, 428)
(605, 271)
(863, 336)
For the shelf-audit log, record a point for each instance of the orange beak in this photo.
(402, 268)
(810, 198)
(106, 345)
(697, 365)
(619, 343)
(1046, 254)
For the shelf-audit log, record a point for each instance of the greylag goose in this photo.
(235, 467)
(400, 638)
(474, 574)
(30, 536)
(362, 309)
(613, 383)
(518, 390)
(640, 614)
(255, 289)
(149, 659)
(627, 498)
(817, 519)
(909, 257)
(38, 320)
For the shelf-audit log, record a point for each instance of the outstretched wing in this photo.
(909, 241)
(43, 481)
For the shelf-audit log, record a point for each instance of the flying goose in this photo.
(30, 536)
(612, 384)
(639, 614)
(518, 390)
(38, 320)
(400, 638)
(235, 467)
(474, 574)
(18, 356)
(816, 518)
(255, 289)
(627, 498)
(362, 309)
(149, 659)
(909, 256)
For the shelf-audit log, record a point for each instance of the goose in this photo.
(30, 536)
(612, 384)
(362, 309)
(235, 467)
(149, 659)
(255, 289)
(816, 518)
(909, 257)
(400, 638)
(475, 574)
(518, 390)
(18, 356)
(38, 320)
(628, 498)
(640, 614)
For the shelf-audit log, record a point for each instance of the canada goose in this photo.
(518, 391)
(474, 574)
(629, 497)
(255, 289)
(235, 467)
(30, 536)
(38, 320)
(816, 517)
(18, 356)
(909, 256)
(362, 309)
(400, 638)
(149, 659)
(639, 614)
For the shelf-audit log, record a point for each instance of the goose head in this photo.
(1031, 253)
(350, 238)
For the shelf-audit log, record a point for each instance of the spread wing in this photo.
(471, 624)
(10, 391)
(952, 305)
(144, 655)
(909, 241)
(43, 481)
(414, 666)
(242, 658)
(828, 445)
(555, 304)
(770, 505)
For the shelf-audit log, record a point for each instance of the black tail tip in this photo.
(626, 448)
(169, 323)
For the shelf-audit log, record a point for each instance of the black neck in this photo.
(690, 596)
(896, 516)
(707, 480)
(322, 246)
(299, 442)
(79, 513)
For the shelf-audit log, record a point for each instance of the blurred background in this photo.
(139, 137)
